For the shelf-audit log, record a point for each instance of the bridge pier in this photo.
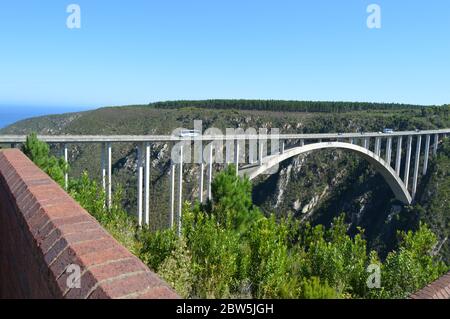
(236, 156)
(389, 151)
(436, 143)
(282, 147)
(302, 142)
(427, 154)
(109, 171)
(260, 151)
(398, 158)
(210, 170)
(366, 143)
(66, 159)
(103, 168)
(140, 172)
(147, 183)
(416, 166)
(229, 151)
(200, 182)
(172, 193)
(408, 161)
(252, 150)
(377, 146)
(180, 191)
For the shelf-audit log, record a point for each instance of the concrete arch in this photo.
(388, 173)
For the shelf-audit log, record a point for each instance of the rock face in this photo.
(285, 175)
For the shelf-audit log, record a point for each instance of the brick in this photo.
(132, 285)
(43, 231)
(439, 289)
(161, 292)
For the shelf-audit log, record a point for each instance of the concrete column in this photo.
(200, 182)
(172, 193)
(377, 146)
(147, 183)
(352, 140)
(366, 143)
(140, 172)
(416, 165)
(389, 151)
(260, 151)
(252, 150)
(180, 191)
(103, 152)
(427, 154)
(398, 158)
(229, 150)
(66, 175)
(109, 171)
(408, 161)
(198, 148)
(302, 142)
(436, 143)
(282, 147)
(210, 171)
(236, 156)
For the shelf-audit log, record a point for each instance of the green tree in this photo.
(39, 153)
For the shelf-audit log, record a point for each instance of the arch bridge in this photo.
(248, 151)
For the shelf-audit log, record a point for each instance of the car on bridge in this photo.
(189, 133)
(388, 131)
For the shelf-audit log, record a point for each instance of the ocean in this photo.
(12, 114)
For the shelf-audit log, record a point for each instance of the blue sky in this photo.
(130, 52)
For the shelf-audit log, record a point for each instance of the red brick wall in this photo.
(438, 289)
(43, 231)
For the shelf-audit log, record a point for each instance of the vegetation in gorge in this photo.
(229, 248)
(434, 199)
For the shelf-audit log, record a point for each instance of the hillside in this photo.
(316, 187)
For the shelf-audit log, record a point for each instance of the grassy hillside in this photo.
(316, 187)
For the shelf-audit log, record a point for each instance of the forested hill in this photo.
(284, 105)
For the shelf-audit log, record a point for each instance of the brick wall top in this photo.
(58, 233)
(439, 289)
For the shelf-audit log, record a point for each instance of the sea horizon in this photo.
(10, 114)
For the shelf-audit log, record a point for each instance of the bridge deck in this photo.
(171, 138)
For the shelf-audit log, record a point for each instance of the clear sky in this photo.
(138, 51)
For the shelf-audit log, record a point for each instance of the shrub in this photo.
(39, 153)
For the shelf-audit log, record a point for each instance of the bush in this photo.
(39, 153)
(176, 269)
